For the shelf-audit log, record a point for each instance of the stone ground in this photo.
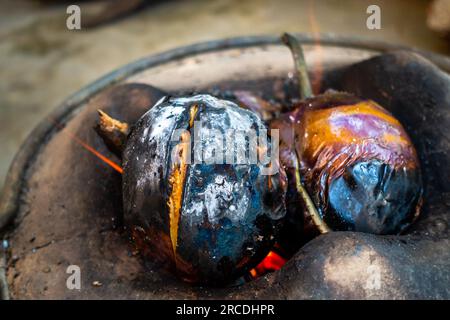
(41, 62)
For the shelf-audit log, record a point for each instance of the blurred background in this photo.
(42, 62)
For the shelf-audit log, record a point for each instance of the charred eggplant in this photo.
(354, 159)
(211, 219)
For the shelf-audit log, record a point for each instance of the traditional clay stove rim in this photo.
(9, 199)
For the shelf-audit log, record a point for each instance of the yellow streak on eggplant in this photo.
(192, 113)
(176, 181)
(318, 124)
(321, 134)
(395, 139)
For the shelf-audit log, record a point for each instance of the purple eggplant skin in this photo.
(209, 222)
(357, 163)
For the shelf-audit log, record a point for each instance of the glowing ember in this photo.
(272, 262)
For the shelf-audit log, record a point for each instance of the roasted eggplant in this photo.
(209, 218)
(354, 160)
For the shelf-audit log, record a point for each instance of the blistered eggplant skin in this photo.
(357, 162)
(374, 197)
(210, 222)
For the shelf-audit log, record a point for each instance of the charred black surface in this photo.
(214, 220)
(375, 198)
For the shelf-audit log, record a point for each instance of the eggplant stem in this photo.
(305, 91)
(310, 207)
(113, 132)
(304, 83)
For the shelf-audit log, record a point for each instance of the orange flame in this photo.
(272, 262)
(316, 80)
(89, 148)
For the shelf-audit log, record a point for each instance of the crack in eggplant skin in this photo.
(358, 163)
(176, 183)
(177, 180)
(219, 219)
